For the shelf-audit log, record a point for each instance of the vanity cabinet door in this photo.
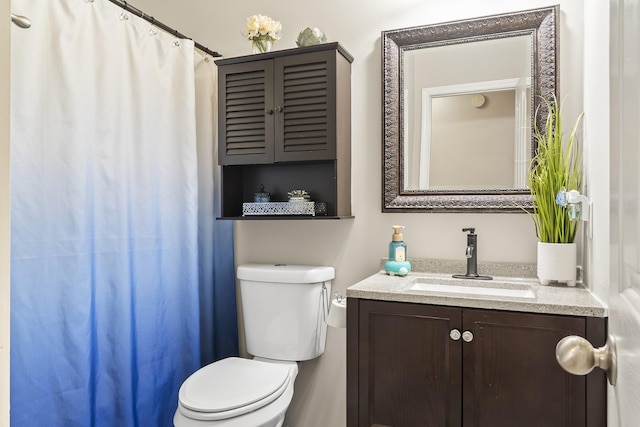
(510, 373)
(408, 366)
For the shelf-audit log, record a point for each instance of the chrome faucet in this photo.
(472, 257)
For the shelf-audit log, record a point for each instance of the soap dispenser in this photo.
(397, 265)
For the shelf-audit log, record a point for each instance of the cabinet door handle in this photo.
(467, 336)
(269, 111)
(278, 109)
(455, 334)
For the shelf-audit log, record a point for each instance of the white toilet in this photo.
(285, 310)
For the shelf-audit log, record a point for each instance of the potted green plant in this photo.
(556, 168)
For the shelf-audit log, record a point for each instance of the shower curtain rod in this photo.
(124, 5)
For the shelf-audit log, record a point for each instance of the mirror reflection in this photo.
(434, 161)
(458, 108)
(467, 118)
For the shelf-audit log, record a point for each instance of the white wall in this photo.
(4, 213)
(596, 135)
(355, 246)
(473, 147)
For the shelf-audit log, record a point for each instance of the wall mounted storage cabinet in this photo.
(284, 121)
(427, 365)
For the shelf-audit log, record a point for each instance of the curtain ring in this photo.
(123, 16)
(152, 29)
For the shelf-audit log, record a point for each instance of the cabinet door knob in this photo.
(467, 336)
(577, 356)
(278, 109)
(455, 334)
(269, 111)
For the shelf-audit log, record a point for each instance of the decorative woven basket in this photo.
(279, 208)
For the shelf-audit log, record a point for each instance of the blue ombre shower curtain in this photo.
(218, 314)
(110, 271)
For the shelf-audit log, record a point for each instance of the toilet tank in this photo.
(285, 309)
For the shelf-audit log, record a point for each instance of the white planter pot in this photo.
(557, 262)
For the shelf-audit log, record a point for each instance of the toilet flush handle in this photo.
(325, 302)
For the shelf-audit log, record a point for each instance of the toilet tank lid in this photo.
(284, 273)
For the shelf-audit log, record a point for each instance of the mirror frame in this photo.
(541, 24)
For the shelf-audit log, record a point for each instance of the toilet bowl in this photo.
(237, 392)
(285, 308)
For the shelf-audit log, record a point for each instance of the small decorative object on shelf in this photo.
(299, 204)
(321, 208)
(310, 37)
(262, 31)
(261, 196)
(279, 208)
(298, 196)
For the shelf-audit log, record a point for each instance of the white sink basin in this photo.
(487, 289)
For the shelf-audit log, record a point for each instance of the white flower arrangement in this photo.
(298, 196)
(260, 27)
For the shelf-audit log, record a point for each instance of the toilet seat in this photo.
(232, 387)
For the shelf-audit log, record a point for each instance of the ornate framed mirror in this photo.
(459, 106)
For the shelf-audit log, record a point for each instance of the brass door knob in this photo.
(577, 356)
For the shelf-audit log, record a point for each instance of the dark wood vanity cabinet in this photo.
(414, 365)
(284, 121)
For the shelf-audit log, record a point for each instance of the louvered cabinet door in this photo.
(246, 113)
(305, 104)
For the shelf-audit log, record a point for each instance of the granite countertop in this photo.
(523, 291)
